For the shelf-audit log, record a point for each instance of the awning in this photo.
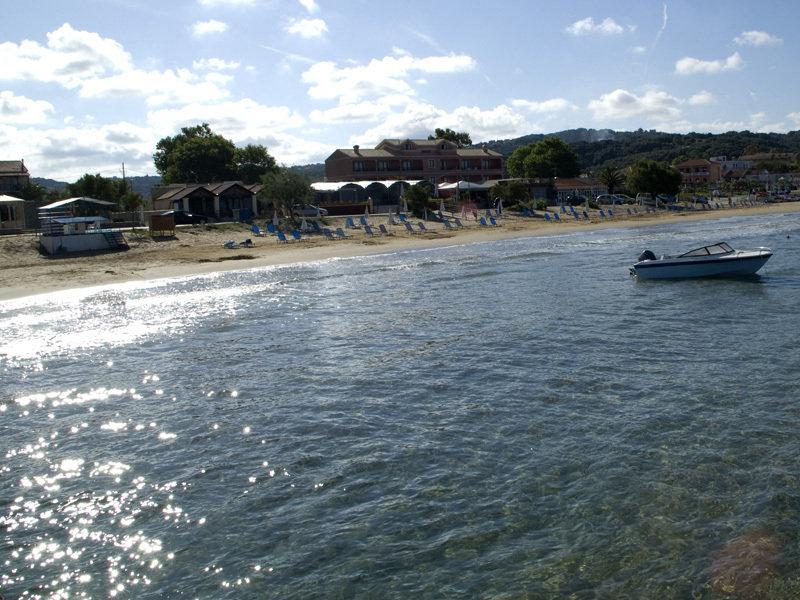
(464, 185)
(10, 199)
(80, 199)
(335, 186)
(65, 220)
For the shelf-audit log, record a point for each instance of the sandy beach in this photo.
(199, 249)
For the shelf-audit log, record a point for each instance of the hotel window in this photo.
(431, 163)
(444, 146)
(464, 165)
(358, 165)
(383, 165)
(406, 165)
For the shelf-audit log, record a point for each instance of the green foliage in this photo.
(198, 155)
(511, 191)
(551, 157)
(648, 176)
(540, 204)
(130, 201)
(38, 193)
(253, 162)
(460, 138)
(612, 178)
(604, 147)
(195, 155)
(417, 199)
(284, 188)
(104, 188)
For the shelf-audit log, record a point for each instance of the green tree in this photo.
(284, 188)
(195, 155)
(612, 178)
(105, 188)
(514, 192)
(550, 157)
(253, 162)
(459, 138)
(417, 198)
(648, 176)
(96, 186)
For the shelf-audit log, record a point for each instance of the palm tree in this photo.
(612, 178)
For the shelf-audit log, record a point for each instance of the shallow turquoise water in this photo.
(501, 420)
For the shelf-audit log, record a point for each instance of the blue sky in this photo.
(86, 85)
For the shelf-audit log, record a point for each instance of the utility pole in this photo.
(124, 183)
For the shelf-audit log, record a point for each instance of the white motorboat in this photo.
(716, 260)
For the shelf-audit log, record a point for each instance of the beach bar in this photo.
(61, 231)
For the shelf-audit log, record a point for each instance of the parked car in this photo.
(186, 218)
(308, 210)
(576, 200)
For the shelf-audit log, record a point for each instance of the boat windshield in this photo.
(721, 248)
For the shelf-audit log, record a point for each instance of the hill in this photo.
(141, 185)
(597, 148)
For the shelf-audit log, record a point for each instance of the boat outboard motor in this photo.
(647, 255)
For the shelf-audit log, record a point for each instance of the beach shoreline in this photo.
(199, 250)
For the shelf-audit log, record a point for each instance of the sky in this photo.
(86, 85)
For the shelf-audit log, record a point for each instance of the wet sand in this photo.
(199, 249)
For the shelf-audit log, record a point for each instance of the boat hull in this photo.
(733, 265)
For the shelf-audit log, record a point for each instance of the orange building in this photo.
(699, 171)
(438, 161)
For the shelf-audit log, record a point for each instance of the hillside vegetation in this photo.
(598, 148)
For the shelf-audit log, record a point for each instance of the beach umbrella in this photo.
(441, 205)
(318, 215)
(366, 211)
(499, 206)
(303, 225)
(464, 211)
(405, 205)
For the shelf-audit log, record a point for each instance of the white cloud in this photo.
(70, 57)
(19, 110)
(638, 49)
(419, 119)
(159, 87)
(757, 38)
(694, 66)
(215, 64)
(307, 28)
(233, 119)
(702, 97)
(622, 104)
(213, 3)
(379, 77)
(309, 5)
(202, 28)
(607, 26)
(69, 152)
(366, 110)
(755, 123)
(546, 106)
(795, 116)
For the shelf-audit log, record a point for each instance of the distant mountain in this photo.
(141, 185)
(597, 148)
(50, 184)
(313, 172)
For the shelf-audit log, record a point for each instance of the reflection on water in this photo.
(501, 420)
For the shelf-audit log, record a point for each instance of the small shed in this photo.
(12, 213)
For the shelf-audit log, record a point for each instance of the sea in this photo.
(500, 420)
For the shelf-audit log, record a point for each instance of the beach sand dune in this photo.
(199, 249)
